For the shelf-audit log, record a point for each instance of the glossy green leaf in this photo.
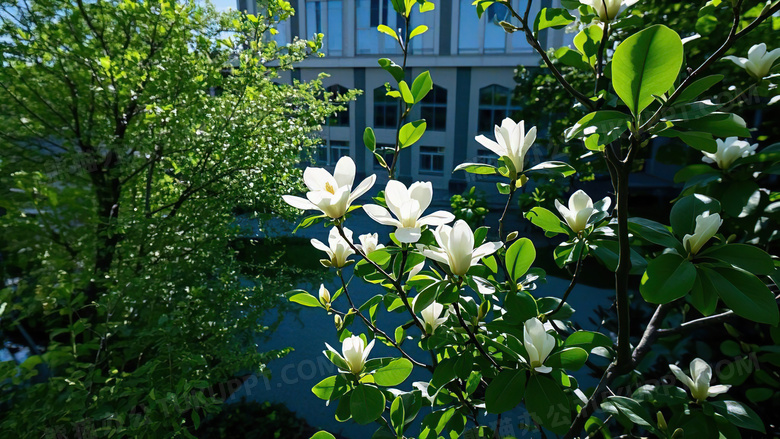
(547, 404)
(570, 358)
(369, 139)
(588, 340)
(397, 415)
(588, 42)
(685, 211)
(552, 168)
(506, 391)
(388, 31)
(367, 403)
(630, 409)
(391, 67)
(519, 257)
(654, 232)
(520, 306)
(604, 121)
(646, 64)
(668, 277)
(745, 294)
(394, 373)
(331, 388)
(411, 133)
(476, 168)
(555, 18)
(719, 125)
(421, 86)
(698, 87)
(406, 93)
(548, 221)
(739, 415)
(746, 257)
(323, 435)
(419, 30)
(306, 299)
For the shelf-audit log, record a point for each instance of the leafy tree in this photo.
(130, 132)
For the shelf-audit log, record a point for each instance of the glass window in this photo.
(433, 109)
(431, 159)
(386, 109)
(325, 16)
(517, 39)
(368, 16)
(340, 119)
(424, 44)
(329, 152)
(495, 35)
(495, 104)
(468, 28)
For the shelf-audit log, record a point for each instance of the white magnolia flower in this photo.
(431, 316)
(331, 194)
(729, 151)
(607, 10)
(456, 248)
(511, 141)
(338, 249)
(354, 352)
(759, 61)
(408, 206)
(324, 295)
(706, 227)
(538, 343)
(699, 381)
(369, 242)
(579, 211)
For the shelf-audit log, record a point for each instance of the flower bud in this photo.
(338, 321)
(661, 421)
(706, 227)
(699, 381)
(578, 212)
(354, 353)
(324, 296)
(538, 343)
(512, 236)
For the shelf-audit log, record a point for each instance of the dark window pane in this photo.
(438, 163)
(440, 120)
(485, 120)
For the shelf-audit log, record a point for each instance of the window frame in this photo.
(435, 107)
(325, 25)
(385, 102)
(433, 152)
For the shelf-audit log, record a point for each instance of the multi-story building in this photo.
(472, 62)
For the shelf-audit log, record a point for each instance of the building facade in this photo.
(472, 63)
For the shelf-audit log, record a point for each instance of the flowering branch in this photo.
(474, 338)
(375, 329)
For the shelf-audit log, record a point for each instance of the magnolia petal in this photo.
(299, 203)
(491, 145)
(344, 172)
(319, 245)
(362, 188)
(380, 215)
(486, 249)
(396, 195)
(529, 140)
(437, 218)
(317, 178)
(681, 376)
(757, 52)
(436, 255)
(368, 350)
(717, 390)
(422, 192)
(408, 234)
(543, 369)
(737, 60)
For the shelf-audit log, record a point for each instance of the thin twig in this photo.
(569, 289)
(474, 338)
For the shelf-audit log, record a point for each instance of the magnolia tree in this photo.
(492, 343)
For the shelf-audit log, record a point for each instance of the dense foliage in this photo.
(477, 328)
(130, 132)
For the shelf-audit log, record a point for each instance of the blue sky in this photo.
(224, 4)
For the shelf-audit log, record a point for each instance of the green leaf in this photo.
(685, 211)
(392, 68)
(571, 358)
(548, 221)
(366, 403)
(588, 42)
(421, 86)
(746, 257)
(306, 299)
(572, 58)
(694, 139)
(547, 404)
(394, 373)
(331, 388)
(419, 30)
(698, 87)
(668, 277)
(406, 94)
(740, 415)
(745, 294)
(654, 232)
(520, 306)
(555, 18)
(387, 30)
(646, 64)
(606, 122)
(426, 5)
(718, 125)
(369, 139)
(506, 391)
(703, 296)
(323, 435)
(482, 6)
(411, 133)
(476, 168)
(588, 340)
(519, 257)
(434, 423)
(552, 169)
(397, 415)
(630, 409)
